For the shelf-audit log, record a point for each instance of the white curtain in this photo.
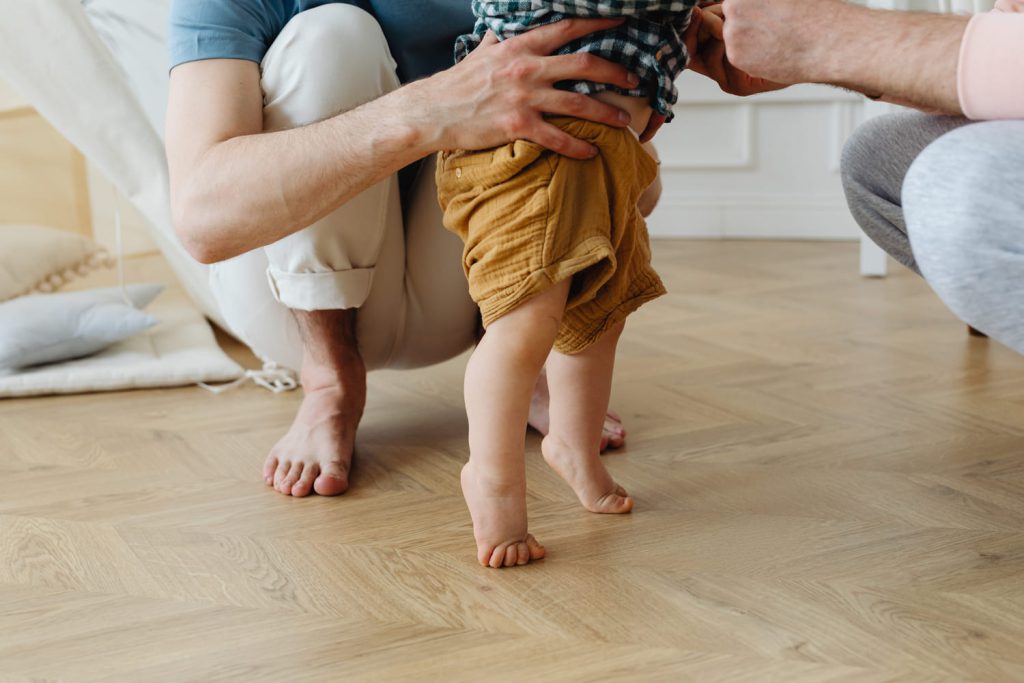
(52, 55)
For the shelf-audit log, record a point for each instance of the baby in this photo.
(557, 256)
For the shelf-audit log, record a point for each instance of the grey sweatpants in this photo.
(940, 195)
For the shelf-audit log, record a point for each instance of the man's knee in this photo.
(871, 179)
(326, 60)
(967, 231)
(863, 150)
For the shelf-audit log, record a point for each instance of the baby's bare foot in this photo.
(613, 434)
(587, 476)
(498, 509)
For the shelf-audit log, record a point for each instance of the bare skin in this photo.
(581, 385)
(227, 199)
(613, 433)
(499, 380)
(904, 57)
(315, 455)
(512, 358)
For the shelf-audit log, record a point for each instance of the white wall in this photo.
(8, 98)
(759, 167)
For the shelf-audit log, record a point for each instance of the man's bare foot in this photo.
(613, 434)
(587, 476)
(498, 509)
(316, 453)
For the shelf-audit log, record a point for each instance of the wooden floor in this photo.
(829, 476)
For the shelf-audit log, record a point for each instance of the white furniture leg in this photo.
(873, 261)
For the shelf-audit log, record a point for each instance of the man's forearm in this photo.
(905, 57)
(253, 190)
(234, 188)
(900, 56)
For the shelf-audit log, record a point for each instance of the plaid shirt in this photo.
(649, 43)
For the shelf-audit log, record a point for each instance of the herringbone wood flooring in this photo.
(829, 481)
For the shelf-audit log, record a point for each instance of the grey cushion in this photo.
(45, 328)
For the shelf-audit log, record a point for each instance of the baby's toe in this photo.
(522, 553)
(536, 550)
(616, 503)
(497, 557)
(511, 554)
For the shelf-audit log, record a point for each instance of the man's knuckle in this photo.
(519, 70)
(515, 122)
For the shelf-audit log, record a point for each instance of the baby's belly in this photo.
(638, 107)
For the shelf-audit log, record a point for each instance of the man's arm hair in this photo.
(235, 188)
(911, 61)
(906, 57)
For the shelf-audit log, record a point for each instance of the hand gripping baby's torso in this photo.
(649, 43)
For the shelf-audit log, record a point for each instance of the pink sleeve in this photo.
(990, 76)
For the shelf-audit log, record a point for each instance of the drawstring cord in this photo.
(272, 377)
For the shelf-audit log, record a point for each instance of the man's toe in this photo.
(333, 480)
(289, 479)
(280, 472)
(304, 486)
(269, 466)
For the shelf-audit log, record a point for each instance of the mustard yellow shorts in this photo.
(531, 218)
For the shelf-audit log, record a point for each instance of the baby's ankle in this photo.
(494, 479)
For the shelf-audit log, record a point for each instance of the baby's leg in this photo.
(500, 379)
(580, 387)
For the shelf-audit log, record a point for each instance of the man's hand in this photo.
(785, 41)
(908, 57)
(503, 89)
(705, 41)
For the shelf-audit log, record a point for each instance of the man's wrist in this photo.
(829, 61)
(403, 129)
(414, 128)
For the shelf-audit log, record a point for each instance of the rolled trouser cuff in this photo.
(324, 291)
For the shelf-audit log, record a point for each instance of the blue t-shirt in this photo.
(420, 33)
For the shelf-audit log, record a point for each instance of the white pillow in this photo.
(44, 328)
(181, 350)
(34, 258)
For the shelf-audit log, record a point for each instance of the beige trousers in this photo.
(404, 276)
